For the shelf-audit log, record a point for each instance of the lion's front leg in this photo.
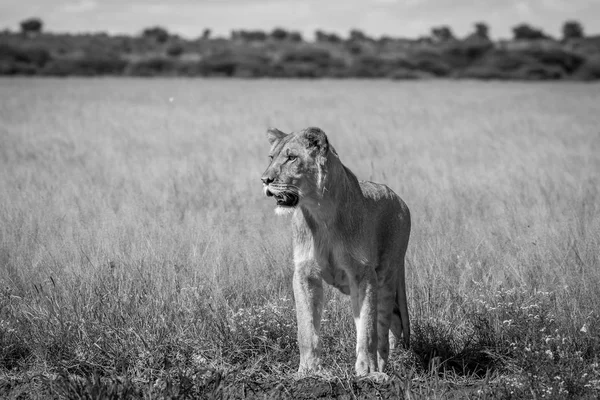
(308, 293)
(364, 307)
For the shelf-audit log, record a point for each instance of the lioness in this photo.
(351, 234)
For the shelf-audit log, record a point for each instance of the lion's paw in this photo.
(377, 377)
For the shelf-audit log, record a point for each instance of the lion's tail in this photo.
(400, 324)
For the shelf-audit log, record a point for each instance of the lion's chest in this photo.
(333, 253)
(335, 276)
(328, 259)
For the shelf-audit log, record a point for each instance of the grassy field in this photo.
(139, 258)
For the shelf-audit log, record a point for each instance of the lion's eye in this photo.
(292, 158)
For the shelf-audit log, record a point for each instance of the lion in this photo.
(351, 234)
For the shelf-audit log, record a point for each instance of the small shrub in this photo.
(268, 328)
(463, 350)
(543, 356)
(13, 350)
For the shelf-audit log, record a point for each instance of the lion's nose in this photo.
(266, 179)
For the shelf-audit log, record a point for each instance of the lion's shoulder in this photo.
(380, 198)
(375, 190)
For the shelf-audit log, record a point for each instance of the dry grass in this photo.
(138, 256)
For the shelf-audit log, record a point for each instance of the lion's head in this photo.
(296, 168)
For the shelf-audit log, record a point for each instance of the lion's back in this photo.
(383, 199)
(386, 213)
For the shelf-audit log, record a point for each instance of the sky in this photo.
(397, 18)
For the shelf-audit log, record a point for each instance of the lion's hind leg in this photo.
(400, 324)
(386, 298)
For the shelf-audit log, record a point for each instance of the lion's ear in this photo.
(274, 134)
(316, 139)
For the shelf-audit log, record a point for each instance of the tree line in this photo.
(530, 55)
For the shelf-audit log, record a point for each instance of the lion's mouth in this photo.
(284, 199)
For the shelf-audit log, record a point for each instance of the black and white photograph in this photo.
(277, 199)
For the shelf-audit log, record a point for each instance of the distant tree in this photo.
(572, 30)
(156, 33)
(279, 34)
(354, 47)
(260, 35)
(385, 39)
(257, 35)
(482, 30)
(442, 34)
(175, 50)
(206, 34)
(249, 36)
(32, 26)
(525, 31)
(357, 35)
(295, 36)
(334, 38)
(321, 36)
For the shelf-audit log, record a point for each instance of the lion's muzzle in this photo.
(284, 198)
(268, 193)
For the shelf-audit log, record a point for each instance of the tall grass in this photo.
(136, 246)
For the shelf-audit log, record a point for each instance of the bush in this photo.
(295, 70)
(467, 51)
(175, 50)
(22, 61)
(527, 32)
(355, 48)
(538, 72)
(151, 67)
(235, 64)
(156, 33)
(482, 72)
(85, 66)
(406, 74)
(371, 67)
(279, 34)
(10, 68)
(317, 56)
(35, 56)
(503, 60)
(307, 62)
(589, 70)
(431, 63)
(564, 59)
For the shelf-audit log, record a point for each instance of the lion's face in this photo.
(295, 167)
